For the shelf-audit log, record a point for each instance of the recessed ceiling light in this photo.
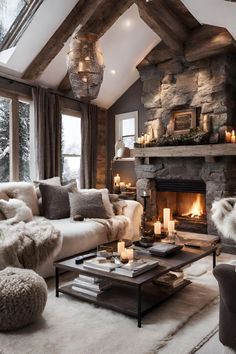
(113, 71)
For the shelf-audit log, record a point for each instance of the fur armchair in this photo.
(226, 277)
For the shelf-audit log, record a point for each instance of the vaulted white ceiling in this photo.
(124, 45)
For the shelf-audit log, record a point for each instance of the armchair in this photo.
(225, 274)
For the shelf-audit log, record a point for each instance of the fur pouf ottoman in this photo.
(23, 296)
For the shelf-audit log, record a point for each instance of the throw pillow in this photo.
(105, 198)
(20, 190)
(15, 210)
(89, 205)
(55, 181)
(55, 200)
(119, 206)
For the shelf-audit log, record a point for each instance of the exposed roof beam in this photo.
(207, 41)
(165, 23)
(102, 19)
(79, 15)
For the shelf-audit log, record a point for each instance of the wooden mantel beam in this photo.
(79, 15)
(207, 41)
(165, 23)
(102, 19)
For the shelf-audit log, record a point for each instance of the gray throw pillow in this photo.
(89, 205)
(55, 200)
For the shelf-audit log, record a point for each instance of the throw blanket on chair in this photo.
(224, 216)
(28, 245)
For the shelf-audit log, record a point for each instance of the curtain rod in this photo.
(26, 83)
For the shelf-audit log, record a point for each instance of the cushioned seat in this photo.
(23, 296)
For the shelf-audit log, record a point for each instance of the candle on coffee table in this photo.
(171, 226)
(157, 228)
(120, 247)
(130, 254)
(166, 217)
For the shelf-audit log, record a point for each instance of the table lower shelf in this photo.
(123, 298)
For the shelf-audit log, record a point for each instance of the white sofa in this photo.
(79, 236)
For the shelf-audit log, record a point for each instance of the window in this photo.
(15, 16)
(127, 128)
(15, 144)
(71, 145)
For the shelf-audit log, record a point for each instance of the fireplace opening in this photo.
(187, 202)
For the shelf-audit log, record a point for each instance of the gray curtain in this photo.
(47, 133)
(89, 144)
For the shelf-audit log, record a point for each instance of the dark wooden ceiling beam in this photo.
(207, 41)
(79, 15)
(165, 23)
(102, 19)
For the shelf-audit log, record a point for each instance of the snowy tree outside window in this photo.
(9, 10)
(5, 109)
(71, 147)
(24, 141)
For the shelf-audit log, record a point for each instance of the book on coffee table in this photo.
(100, 263)
(170, 279)
(164, 249)
(136, 268)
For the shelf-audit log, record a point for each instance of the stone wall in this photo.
(101, 148)
(208, 85)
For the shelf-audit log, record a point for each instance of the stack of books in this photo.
(100, 263)
(170, 279)
(90, 286)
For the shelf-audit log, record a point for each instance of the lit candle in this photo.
(124, 255)
(148, 138)
(140, 140)
(227, 137)
(157, 228)
(233, 137)
(117, 180)
(166, 217)
(120, 247)
(80, 68)
(122, 185)
(171, 225)
(130, 254)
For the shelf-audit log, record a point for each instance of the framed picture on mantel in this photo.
(182, 121)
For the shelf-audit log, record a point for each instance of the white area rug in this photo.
(74, 327)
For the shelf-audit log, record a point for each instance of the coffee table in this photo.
(133, 296)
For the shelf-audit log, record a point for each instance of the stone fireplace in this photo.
(188, 178)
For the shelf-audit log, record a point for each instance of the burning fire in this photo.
(196, 210)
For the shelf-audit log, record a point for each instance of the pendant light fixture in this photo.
(85, 65)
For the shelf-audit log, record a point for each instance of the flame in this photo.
(196, 209)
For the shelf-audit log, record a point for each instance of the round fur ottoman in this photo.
(23, 296)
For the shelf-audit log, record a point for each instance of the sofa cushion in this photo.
(89, 205)
(105, 199)
(55, 181)
(15, 210)
(24, 191)
(55, 200)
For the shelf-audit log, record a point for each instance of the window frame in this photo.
(14, 135)
(118, 124)
(20, 24)
(72, 113)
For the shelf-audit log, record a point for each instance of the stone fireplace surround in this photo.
(209, 86)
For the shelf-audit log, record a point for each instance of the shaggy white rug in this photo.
(74, 327)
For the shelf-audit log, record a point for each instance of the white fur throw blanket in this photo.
(28, 245)
(224, 216)
(117, 227)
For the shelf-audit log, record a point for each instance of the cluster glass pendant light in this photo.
(85, 65)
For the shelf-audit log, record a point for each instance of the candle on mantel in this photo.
(120, 247)
(171, 225)
(166, 217)
(140, 140)
(227, 136)
(130, 254)
(233, 137)
(117, 180)
(157, 228)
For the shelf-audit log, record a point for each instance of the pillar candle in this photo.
(124, 254)
(233, 137)
(157, 228)
(130, 254)
(122, 185)
(227, 137)
(140, 140)
(120, 247)
(117, 180)
(166, 217)
(171, 225)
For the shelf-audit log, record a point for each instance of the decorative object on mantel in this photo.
(182, 121)
(85, 65)
(230, 137)
(118, 145)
